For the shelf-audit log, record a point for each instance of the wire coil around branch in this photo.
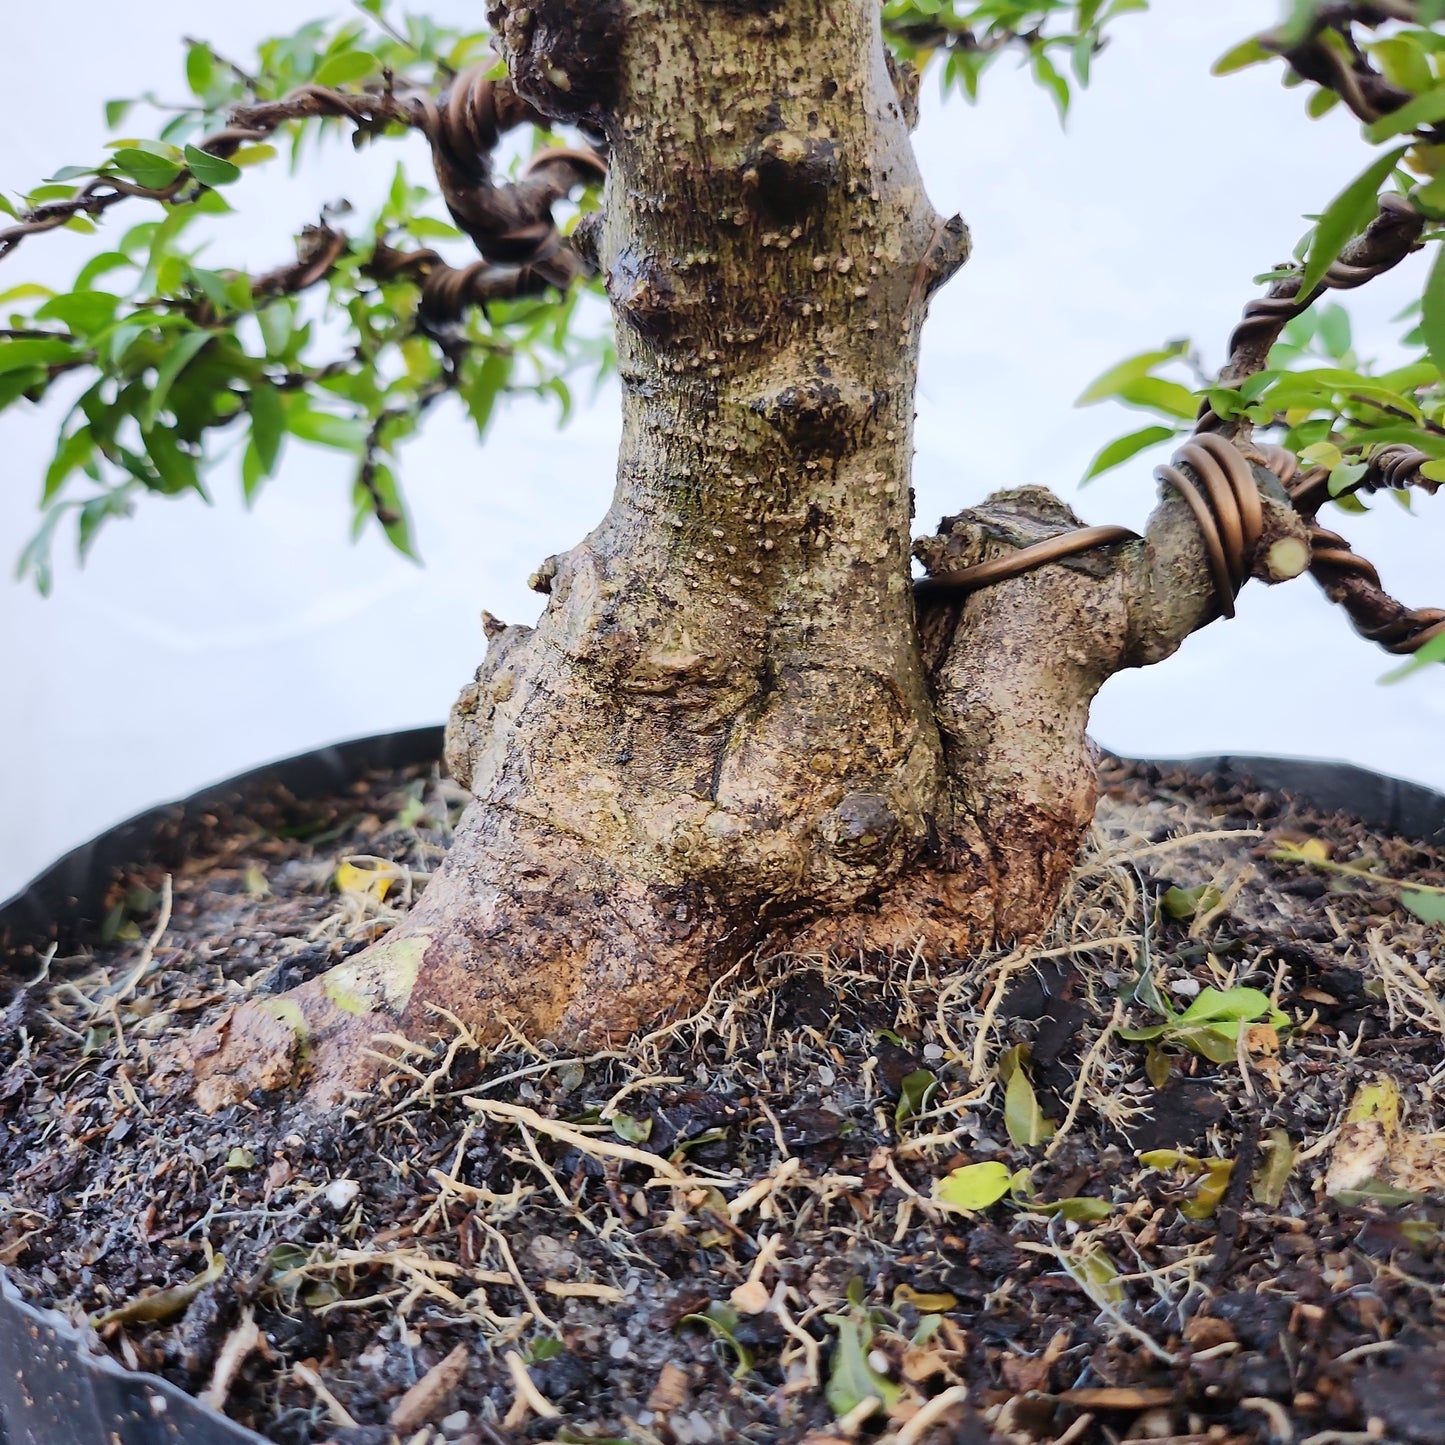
(1227, 513)
(510, 224)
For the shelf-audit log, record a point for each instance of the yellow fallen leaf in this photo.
(371, 881)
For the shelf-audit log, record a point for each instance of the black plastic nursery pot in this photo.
(57, 1387)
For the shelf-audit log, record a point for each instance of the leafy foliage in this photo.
(1057, 38)
(171, 363)
(1315, 395)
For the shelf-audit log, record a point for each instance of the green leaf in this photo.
(1427, 907)
(72, 451)
(200, 68)
(116, 111)
(851, 1379)
(345, 67)
(175, 466)
(482, 389)
(1422, 110)
(325, 429)
(1274, 1169)
(150, 170)
(14, 384)
(1122, 448)
(1334, 330)
(1153, 393)
(1186, 903)
(1346, 216)
(1235, 1004)
(915, 1091)
(1107, 384)
(211, 170)
(275, 321)
(634, 1131)
(723, 1321)
(1022, 1116)
(83, 312)
(1096, 1274)
(179, 355)
(1246, 53)
(1432, 309)
(268, 425)
(33, 351)
(974, 1186)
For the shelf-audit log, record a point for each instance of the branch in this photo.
(509, 223)
(1344, 576)
(1384, 243)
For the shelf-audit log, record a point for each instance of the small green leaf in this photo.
(1432, 309)
(73, 451)
(1234, 1004)
(1131, 369)
(116, 111)
(1246, 53)
(634, 1131)
(33, 351)
(1186, 903)
(325, 429)
(723, 1321)
(1274, 1169)
(211, 170)
(150, 170)
(851, 1379)
(1422, 110)
(1346, 216)
(1122, 448)
(1427, 907)
(345, 67)
(1022, 1116)
(268, 425)
(1154, 393)
(914, 1093)
(179, 355)
(164, 1304)
(1096, 1274)
(974, 1186)
(200, 68)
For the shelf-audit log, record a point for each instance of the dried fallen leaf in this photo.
(164, 1304)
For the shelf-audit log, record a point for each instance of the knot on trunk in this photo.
(821, 414)
(791, 174)
(562, 54)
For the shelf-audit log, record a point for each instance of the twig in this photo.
(518, 1114)
(337, 1410)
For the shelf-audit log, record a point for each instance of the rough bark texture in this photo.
(729, 729)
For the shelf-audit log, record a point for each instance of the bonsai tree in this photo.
(740, 723)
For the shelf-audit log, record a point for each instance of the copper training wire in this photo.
(1025, 559)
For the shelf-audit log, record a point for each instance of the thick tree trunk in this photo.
(728, 729)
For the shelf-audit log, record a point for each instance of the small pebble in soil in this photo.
(620, 1348)
(456, 1424)
(1185, 987)
(826, 1077)
(340, 1194)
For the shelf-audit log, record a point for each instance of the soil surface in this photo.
(771, 1221)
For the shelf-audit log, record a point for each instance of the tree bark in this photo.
(730, 729)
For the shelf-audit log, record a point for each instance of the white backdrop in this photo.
(199, 642)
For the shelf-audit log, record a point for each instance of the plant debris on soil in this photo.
(1171, 1173)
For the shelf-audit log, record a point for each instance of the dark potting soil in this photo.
(1232, 1230)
